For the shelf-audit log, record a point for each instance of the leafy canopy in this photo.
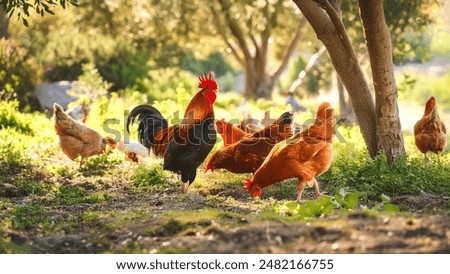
(41, 7)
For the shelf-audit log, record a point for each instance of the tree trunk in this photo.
(330, 30)
(258, 84)
(4, 22)
(378, 37)
(345, 105)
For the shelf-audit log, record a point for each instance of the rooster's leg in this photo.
(427, 161)
(316, 187)
(185, 187)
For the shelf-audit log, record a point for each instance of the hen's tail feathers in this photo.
(151, 122)
(59, 111)
(61, 119)
(285, 119)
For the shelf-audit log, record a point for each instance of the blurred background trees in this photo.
(257, 47)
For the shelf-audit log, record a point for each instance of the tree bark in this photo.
(330, 30)
(378, 39)
(345, 105)
(258, 84)
(4, 22)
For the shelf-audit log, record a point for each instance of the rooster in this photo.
(429, 132)
(305, 156)
(76, 139)
(248, 154)
(184, 146)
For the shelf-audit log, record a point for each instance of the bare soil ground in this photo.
(237, 227)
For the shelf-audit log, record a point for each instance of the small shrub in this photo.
(10, 117)
(19, 73)
(162, 84)
(29, 216)
(11, 150)
(70, 195)
(99, 164)
(374, 177)
(90, 84)
(150, 176)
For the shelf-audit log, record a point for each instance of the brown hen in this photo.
(305, 156)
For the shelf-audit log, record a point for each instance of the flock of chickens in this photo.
(272, 154)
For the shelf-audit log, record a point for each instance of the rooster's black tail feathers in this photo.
(151, 122)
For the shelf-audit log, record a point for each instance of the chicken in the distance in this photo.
(186, 145)
(305, 156)
(430, 133)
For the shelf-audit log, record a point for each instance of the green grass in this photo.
(42, 192)
(151, 177)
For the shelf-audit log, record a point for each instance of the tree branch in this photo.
(290, 50)
(227, 41)
(311, 62)
(337, 22)
(235, 30)
(255, 43)
(234, 51)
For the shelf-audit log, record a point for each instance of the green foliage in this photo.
(162, 84)
(24, 8)
(71, 195)
(347, 200)
(90, 84)
(19, 73)
(22, 183)
(228, 100)
(425, 86)
(413, 47)
(11, 118)
(407, 21)
(100, 164)
(343, 202)
(125, 66)
(64, 54)
(11, 150)
(21, 137)
(29, 216)
(375, 177)
(215, 62)
(440, 44)
(150, 177)
(117, 61)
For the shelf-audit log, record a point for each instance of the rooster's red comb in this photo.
(207, 81)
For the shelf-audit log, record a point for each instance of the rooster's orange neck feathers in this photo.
(201, 105)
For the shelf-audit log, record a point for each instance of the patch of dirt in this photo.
(358, 232)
